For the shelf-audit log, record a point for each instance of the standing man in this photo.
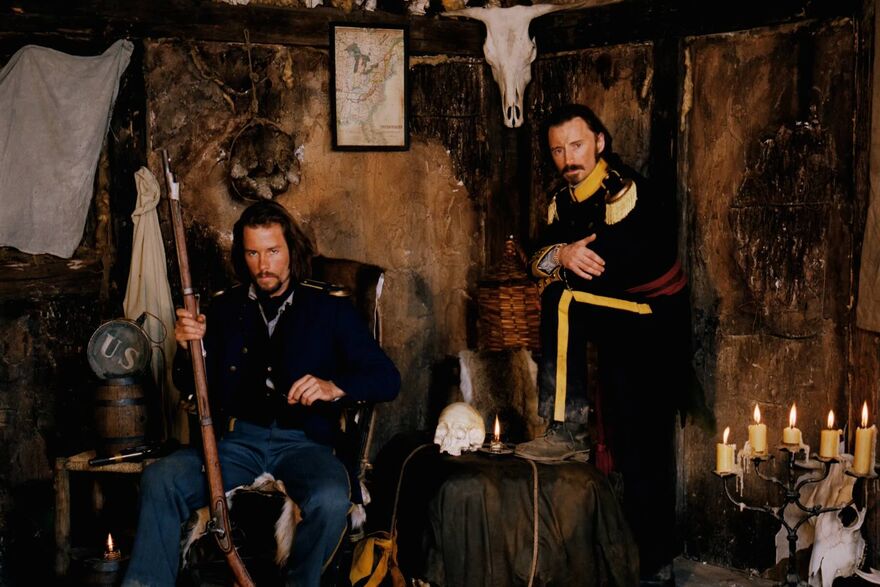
(610, 274)
(279, 356)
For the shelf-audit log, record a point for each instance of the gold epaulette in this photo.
(552, 212)
(332, 289)
(619, 205)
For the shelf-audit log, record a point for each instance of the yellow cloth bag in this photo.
(375, 559)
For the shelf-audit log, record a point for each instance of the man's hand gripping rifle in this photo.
(219, 514)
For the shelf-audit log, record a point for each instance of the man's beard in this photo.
(270, 288)
(570, 168)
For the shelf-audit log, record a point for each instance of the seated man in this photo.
(278, 357)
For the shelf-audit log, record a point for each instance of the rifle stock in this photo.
(219, 513)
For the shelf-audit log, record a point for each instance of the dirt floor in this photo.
(690, 573)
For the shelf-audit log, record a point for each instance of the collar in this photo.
(271, 323)
(591, 184)
(252, 294)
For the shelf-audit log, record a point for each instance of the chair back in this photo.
(362, 281)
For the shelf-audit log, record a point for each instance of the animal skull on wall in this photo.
(510, 51)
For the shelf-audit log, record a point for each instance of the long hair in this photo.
(265, 213)
(567, 112)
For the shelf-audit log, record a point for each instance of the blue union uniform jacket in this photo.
(250, 374)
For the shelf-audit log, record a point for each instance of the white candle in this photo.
(758, 433)
(866, 441)
(829, 439)
(724, 454)
(792, 435)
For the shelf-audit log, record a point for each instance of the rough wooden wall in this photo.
(767, 174)
(414, 213)
(616, 82)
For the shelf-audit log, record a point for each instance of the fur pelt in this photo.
(243, 501)
(503, 383)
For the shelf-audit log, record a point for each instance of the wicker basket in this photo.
(509, 309)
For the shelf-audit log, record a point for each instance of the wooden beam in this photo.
(649, 20)
(42, 276)
(624, 22)
(213, 21)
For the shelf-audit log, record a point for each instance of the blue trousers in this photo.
(174, 486)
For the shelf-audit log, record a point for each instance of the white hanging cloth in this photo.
(148, 291)
(54, 114)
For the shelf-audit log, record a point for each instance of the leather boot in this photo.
(562, 441)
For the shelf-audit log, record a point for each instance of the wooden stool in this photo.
(63, 467)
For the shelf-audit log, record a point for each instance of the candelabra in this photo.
(791, 490)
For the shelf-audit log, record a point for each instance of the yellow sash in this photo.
(562, 336)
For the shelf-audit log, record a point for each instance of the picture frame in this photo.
(369, 87)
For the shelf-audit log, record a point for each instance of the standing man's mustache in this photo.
(568, 168)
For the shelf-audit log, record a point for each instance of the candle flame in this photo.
(865, 415)
(792, 416)
(830, 419)
(726, 434)
(497, 436)
(110, 546)
(757, 414)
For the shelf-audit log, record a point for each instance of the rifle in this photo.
(219, 522)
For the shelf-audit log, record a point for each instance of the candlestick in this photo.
(724, 454)
(792, 435)
(758, 434)
(791, 485)
(866, 442)
(829, 444)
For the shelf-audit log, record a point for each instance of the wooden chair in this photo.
(363, 284)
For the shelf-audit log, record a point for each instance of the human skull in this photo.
(461, 428)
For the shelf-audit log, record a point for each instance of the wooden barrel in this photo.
(120, 415)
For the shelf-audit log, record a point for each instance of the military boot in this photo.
(562, 441)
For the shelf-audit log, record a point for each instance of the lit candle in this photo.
(829, 439)
(791, 435)
(111, 553)
(758, 434)
(866, 439)
(724, 457)
(496, 445)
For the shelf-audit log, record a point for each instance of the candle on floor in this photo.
(829, 439)
(791, 435)
(758, 433)
(724, 454)
(111, 553)
(866, 439)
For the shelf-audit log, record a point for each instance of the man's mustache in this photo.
(266, 274)
(568, 168)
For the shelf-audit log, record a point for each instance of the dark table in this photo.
(468, 521)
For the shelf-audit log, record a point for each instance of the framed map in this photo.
(369, 74)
